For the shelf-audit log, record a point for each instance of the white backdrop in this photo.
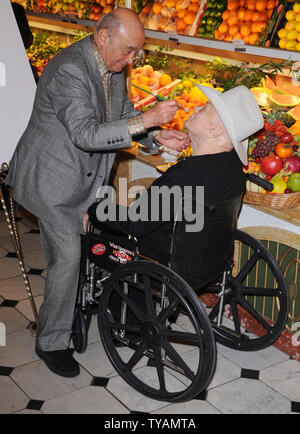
(17, 85)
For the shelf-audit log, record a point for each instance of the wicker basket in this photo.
(277, 201)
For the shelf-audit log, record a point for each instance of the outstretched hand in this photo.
(173, 139)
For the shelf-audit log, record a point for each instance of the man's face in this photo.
(202, 118)
(119, 50)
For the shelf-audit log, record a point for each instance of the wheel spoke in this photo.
(165, 313)
(178, 360)
(248, 266)
(214, 312)
(159, 368)
(254, 313)
(235, 315)
(182, 336)
(135, 309)
(149, 299)
(249, 290)
(136, 356)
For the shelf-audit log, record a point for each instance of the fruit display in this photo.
(274, 154)
(245, 19)
(85, 9)
(289, 34)
(145, 77)
(178, 16)
(211, 19)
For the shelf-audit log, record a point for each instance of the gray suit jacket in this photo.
(67, 151)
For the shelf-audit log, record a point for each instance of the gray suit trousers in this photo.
(62, 252)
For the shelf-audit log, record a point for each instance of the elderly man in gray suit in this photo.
(81, 116)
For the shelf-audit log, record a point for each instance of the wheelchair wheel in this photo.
(171, 365)
(256, 299)
(81, 323)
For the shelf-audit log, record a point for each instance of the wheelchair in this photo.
(158, 334)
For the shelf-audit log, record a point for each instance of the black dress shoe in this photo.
(61, 362)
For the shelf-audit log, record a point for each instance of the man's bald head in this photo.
(119, 35)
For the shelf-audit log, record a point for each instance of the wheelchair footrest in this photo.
(229, 333)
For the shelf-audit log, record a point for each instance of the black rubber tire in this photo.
(151, 333)
(81, 323)
(237, 290)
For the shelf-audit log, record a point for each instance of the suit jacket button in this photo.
(113, 142)
(122, 140)
(108, 142)
(89, 174)
(117, 140)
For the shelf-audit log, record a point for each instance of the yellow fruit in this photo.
(291, 35)
(290, 25)
(187, 83)
(290, 15)
(298, 46)
(282, 43)
(291, 45)
(298, 18)
(282, 33)
(297, 28)
(296, 7)
(298, 37)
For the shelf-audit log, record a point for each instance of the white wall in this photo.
(17, 85)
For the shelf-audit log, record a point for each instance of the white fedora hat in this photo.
(239, 113)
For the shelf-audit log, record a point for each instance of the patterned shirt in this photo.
(135, 124)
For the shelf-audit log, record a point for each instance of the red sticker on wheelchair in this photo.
(98, 249)
(122, 256)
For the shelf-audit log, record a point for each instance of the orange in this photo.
(258, 27)
(269, 13)
(223, 28)
(263, 16)
(193, 7)
(260, 5)
(170, 4)
(194, 1)
(233, 20)
(157, 7)
(147, 9)
(253, 38)
(256, 16)
(165, 79)
(234, 29)
(181, 13)
(270, 4)
(232, 5)
(248, 15)
(246, 39)
(189, 18)
(241, 14)
(219, 36)
(242, 3)
(245, 30)
(228, 38)
(238, 36)
(225, 15)
(251, 5)
(181, 24)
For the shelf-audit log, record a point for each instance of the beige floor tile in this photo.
(4, 230)
(12, 398)
(38, 382)
(191, 407)
(3, 252)
(12, 320)
(284, 378)
(14, 288)
(25, 308)
(9, 267)
(35, 259)
(90, 400)
(28, 243)
(19, 349)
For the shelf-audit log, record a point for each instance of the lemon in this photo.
(290, 15)
(298, 46)
(297, 27)
(187, 83)
(298, 37)
(290, 25)
(292, 35)
(298, 18)
(296, 7)
(282, 33)
(291, 45)
(282, 43)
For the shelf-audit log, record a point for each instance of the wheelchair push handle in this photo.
(260, 181)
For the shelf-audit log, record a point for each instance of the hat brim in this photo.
(215, 98)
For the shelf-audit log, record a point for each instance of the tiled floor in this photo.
(267, 381)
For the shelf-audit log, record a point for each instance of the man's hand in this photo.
(160, 114)
(173, 139)
(85, 221)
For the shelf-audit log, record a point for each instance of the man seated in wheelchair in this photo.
(218, 131)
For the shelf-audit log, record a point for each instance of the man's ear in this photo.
(102, 36)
